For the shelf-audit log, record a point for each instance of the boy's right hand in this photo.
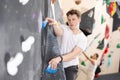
(51, 21)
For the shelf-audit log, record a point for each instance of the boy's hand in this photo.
(54, 62)
(51, 21)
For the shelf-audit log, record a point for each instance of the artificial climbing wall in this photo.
(103, 40)
(103, 37)
(109, 49)
(19, 21)
(20, 33)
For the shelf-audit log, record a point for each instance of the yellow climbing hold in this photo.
(118, 28)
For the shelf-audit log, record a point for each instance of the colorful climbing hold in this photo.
(118, 45)
(102, 19)
(44, 23)
(83, 63)
(77, 2)
(101, 44)
(118, 28)
(107, 32)
(58, 23)
(112, 8)
(105, 51)
(50, 70)
(107, 2)
(109, 61)
(53, 1)
(109, 55)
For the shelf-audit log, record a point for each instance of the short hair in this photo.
(72, 12)
(97, 55)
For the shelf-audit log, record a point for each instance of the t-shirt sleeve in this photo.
(64, 27)
(82, 43)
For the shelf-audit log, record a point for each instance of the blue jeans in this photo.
(71, 72)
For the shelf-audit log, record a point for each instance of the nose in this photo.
(70, 22)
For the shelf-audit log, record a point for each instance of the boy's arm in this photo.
(91, 60)
(57, 29)
(67, 57)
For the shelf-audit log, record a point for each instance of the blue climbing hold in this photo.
(109, 61)
(44, 23)
(50, 70)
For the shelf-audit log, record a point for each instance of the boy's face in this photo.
(73, 21)
(94, 56)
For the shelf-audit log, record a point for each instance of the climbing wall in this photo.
(102, 41)
(50, 46)
(19, 23)
(112, 58)
(20, 33)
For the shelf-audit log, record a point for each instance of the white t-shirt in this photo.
(91, 70)
(92, 67)
(69, 41)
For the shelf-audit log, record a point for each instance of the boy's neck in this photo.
(76, 31)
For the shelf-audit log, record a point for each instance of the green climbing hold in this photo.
(109, 55)
(101, 44)
(118, 45)
(99, 41)
(102, 19)
(83, 63)
(107, 2)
